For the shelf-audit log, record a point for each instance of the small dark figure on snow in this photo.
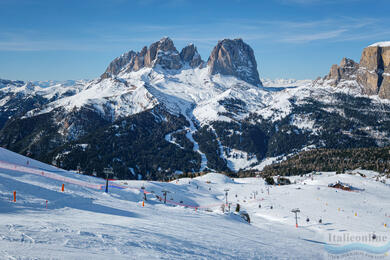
(307, 220)
(238, 207)
(320, 221)
(271, 207)
(259, 206)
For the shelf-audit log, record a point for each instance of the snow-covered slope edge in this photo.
(82, 222)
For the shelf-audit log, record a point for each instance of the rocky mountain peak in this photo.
(190, 55)
(372, 73)
(375, 69)
(162, 53)
(345, 71)
(235, 58)
(118, 63)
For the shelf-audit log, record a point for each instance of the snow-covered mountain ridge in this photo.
(153, 107)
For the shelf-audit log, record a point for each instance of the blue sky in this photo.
(58, 40)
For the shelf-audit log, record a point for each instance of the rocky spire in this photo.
(190, 55)
(162, 53)
(346, 70)
(235, 58)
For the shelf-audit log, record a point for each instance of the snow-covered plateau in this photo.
(84, 222)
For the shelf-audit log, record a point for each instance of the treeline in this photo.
(339, 160)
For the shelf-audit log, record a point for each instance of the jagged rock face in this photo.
(229, 57)
(190, 55)
(118, 63)
(372, 73)
(236, 58)
(375, 70)
(346, 71)
(162, 53)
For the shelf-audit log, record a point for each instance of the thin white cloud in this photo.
(299, 38)
(99, 37)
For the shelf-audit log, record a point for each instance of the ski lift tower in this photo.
(296, 211)
(143, 191)
(165, 195)
(108, 171)
(226, 194)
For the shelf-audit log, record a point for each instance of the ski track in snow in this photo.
(190, 131)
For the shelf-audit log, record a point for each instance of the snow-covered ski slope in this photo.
(86, 223)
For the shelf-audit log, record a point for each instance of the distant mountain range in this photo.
(159, 112)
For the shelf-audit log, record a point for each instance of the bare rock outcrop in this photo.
(118, 63)
(162, 54)
(372, 74)
(375, 69)
(345, 71)
(190, 55)
(235, 58)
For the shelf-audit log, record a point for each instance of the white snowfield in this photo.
(85, 223)
(380, 44)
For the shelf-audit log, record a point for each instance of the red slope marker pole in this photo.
(14, 196)
(63, 187)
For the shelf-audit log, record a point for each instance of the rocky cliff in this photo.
(236, 58)
(375, 69)
(190, 55)
(345, 71)
(162, 53)
(372, 74)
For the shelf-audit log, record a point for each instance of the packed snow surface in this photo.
(84, 223)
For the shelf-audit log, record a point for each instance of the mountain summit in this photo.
(229, 57)
(236, 58)
(162, 53)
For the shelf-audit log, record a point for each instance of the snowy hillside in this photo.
(85, 222)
